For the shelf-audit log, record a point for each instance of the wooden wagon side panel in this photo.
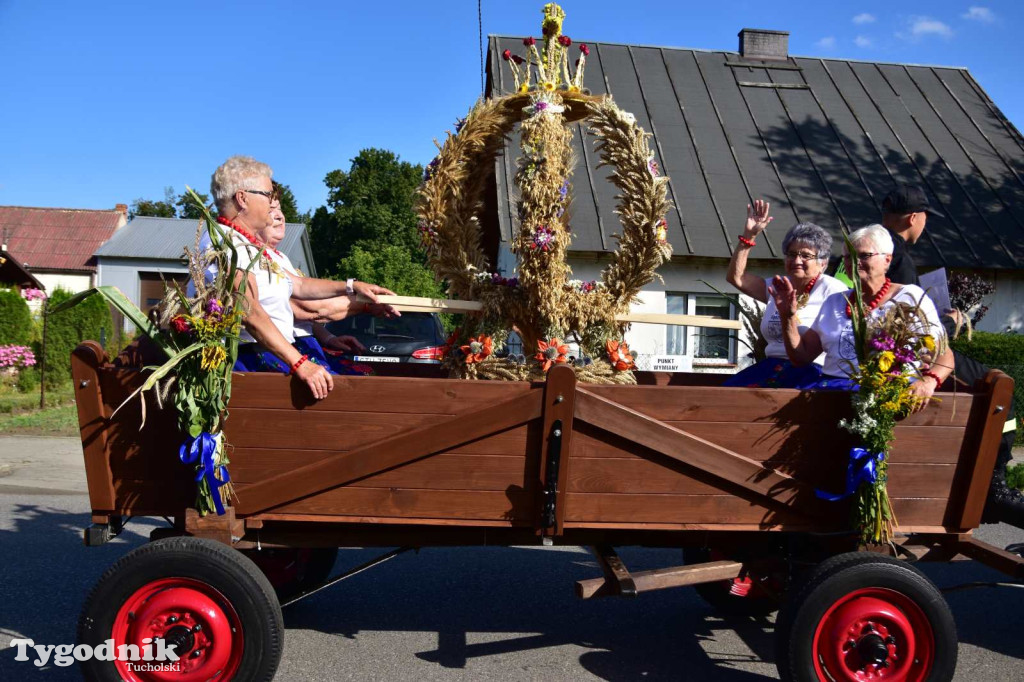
(386, 449)
(615, 480)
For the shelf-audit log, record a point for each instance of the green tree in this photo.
(371, 203)
(156, 209)
(90, 319)
(188, 210)
(390, 266)
(15, 319)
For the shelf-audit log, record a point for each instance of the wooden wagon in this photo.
(727, 474)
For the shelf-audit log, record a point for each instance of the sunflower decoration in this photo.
(619, 355)
(552, 352)
(477, 349)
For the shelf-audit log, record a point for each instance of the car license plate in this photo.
(376, 358)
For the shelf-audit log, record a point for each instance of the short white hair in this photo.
(236, 174)
(876, 234)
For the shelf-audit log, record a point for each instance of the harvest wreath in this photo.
(543, 304)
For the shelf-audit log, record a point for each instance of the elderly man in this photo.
(243, 191)
(905, 215)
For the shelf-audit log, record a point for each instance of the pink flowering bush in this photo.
(33, 294)
(16, 357)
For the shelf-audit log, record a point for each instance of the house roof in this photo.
(165, 239)
(824, 140)
(57, 238)
(13, 272)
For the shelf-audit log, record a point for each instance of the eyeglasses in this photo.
(802, 255)
(865, 257)
(271, 196)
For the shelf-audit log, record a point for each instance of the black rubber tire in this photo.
(235, 577)
(314, 567)
(717, 594)
(837, 577)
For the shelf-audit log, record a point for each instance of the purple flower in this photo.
(213, 307)
(563, 191)
(540, 106)
(543, 238)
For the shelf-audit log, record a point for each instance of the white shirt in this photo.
(302, 327)
(835, 329)
(275, 288)
(771, 324)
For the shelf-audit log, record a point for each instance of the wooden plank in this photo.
(312, 432)
(994, 557)
(641, 476)
(440, 472)
(372, 394)
(778, 406)
(390, 452)
(784, 446)
(85, 361)
(559, 405)
(980, 447)
(515, 506)
(595, 510)
(681, 320)
(771, 487)
(633, 527)
(661, 578)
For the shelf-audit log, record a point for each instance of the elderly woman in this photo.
(807, 248)
(311, 336)
(832, 331)
(244, 194)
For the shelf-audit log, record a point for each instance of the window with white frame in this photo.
(706, 345)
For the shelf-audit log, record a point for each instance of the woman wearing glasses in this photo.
(243, 191)
(807, 248)
(832, 331)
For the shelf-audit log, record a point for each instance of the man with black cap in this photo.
(905, 212)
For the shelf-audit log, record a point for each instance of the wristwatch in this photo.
(350, 287)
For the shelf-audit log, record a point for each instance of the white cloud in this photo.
(982, 14)
(922, 27)
(863, 41)
(866, 18)
(826, 43)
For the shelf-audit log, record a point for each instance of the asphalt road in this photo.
(468, 613)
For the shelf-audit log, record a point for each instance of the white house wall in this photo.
(68, 282)
(1006, 305)
(123, 273)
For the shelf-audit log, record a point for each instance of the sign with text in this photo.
(672, 363)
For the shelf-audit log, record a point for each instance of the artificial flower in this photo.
(885, 360)
(506, 55)
(550, 353)
(929, 342)
(548, 86)
(584, 49)
(477, 349)
(618, 355)
(564, 41)
(529, 42)
(543, 238)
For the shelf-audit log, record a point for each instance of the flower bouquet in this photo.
(201, 346)
(890, 351)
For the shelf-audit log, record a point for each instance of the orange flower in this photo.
(451, 342)
(477, 349)
(552, 352)
(618, 355)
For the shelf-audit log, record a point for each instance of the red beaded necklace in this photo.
(248, 235)
(805, 295)
(875, 300)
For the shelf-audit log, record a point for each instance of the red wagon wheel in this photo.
(196, 619)
(207, 600)
(863, 616)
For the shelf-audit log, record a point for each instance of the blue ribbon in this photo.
(863, 468)
(201, 451)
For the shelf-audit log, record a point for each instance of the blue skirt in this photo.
(830, 383)
(252, 357)
(776, 373)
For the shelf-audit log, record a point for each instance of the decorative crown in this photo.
(551, 62)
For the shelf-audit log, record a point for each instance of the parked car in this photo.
(416, 338)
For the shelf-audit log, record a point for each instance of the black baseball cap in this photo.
(908, 199)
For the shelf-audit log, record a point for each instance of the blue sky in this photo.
(105, 102)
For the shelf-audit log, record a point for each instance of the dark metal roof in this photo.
(823, 139)
(166, 238)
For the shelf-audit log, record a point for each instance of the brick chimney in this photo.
(759, 43)
(122, 208)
